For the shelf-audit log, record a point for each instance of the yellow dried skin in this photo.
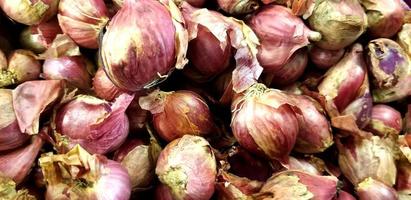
(7, 78)
(284, 186)
(8, 191)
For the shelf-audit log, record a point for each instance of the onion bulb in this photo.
(79, 175)
(29, 12)
(39, 37)
(103, 87)
(371, 189)
(385, 121)
(323, 58)
(238, 7)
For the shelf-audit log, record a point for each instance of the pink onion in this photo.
(230, 186)
(403, 184)
(191, 178)
(343, 195)
(323, 58)
(139, 159)
(103, 87)
(281, 34)
(238, 7)
(311, 165)
(368, 157)
(137, 116)
(22, 66)
(371, 189)
(163, 193)
(75, 70)
(302, 8)
(16, 164)
(195, 3)
(10, 135)
(265, 122)
(385, 121)
(345, 86)
(79, 175)
(9, 190)
(97, 125)
(290, 72)
(293, 184)
(31, 99)
(39, 37)
(404, 39)
(390, 68)
(133, 57)
(29, 12)
(339, 22)
(385, 17)
(219, 35)
(178, 113)
(83, 20)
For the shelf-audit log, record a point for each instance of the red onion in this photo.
(39, 37)
(9, 190)
(139, 160)
(137, 116)
(219, 34)
(188, 178)
(16, 164)
(385, 121)
(103, 87)
(315, 132)
(83, 20)
(339, 22)
(293, 184)
(404, 39)
(343, 195)
(345, 86)
(22, 66)
(323, 58)
(291, 71)
(230, 186)
(133, 57)
(403, 184)
(75, 70)
(311, 165)
(79, 175)
(29, 12)
(363, 158)
(265, 122)
(10, 135)
(178, 113)
(97, 125)
(31, 99)
(238, 7)
(385, 17)
(195, 3)
(371, 189)
(390, 68)
(162, 192)
(61, 46)
(302, 8)
(404, 145)
(281, 34)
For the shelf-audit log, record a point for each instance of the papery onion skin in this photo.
(83, 20)
(178, 113)
(238, 7)
(16, 164)
(371, 189)
(29, 12)
(195, 3)
(230, 186)
(22, 66)
(323, 58)
(100, 178)
(294, 184)
(133, 57)
(10, 135)
(346, 86)
(137, 116)
(103, 87)
(264, 122)
(385, 121)
(385, 17)
(97, 125)
(363, 158)
(9, 190)
(291, 71)
(339, 22)
(39, 37)
(311, 165)
(404, 39)
(390, 68)
(73, 69)
(279, 41)
(188, 178)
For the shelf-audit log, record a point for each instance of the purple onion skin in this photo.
(291, 71)
(343, 195)
(390, 69)
(103, 87)
(133, 57)
(323, 58)
(385, 121)
(281, 34)
(346, 86)
(371, 189)
(244, 164)
(29, 12)
(72, 69)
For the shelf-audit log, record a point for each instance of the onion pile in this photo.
(205, 100)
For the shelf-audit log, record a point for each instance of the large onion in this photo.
(133, 57)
